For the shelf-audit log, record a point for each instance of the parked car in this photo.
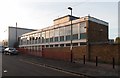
(10, 51)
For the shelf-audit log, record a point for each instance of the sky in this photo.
(37, 14)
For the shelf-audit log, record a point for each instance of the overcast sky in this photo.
(37, 14)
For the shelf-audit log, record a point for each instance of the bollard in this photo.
(84, 59)
(113, 63)
(96, 61)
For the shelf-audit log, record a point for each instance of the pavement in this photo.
(89, 69)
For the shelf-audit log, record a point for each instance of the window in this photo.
(56, 39)
(51, 39)
(43, 37)
(75, 36)
(47, 40)
(75, 44)
(51, 45)
(47, 46)
(82, 43)
(56, 45)
(57, 32)
(68, 37)
(51, 33)
(83, 36)
(39, 40)
(82, 27)
(61, 38)
(75, 28)
(68, 30)
(61, 45)
(67, 44)
(62, 32)
(47, 36)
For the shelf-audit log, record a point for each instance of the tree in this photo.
(117, 40)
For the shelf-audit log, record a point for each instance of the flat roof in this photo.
(23, 28)
(66, 16)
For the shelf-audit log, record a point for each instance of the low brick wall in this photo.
(62, 53)
(79, 52)
(104, 52)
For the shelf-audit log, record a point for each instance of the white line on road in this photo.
(45, 66)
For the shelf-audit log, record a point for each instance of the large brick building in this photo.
(85, 30)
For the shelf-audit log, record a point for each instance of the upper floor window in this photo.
(82, 27)
(51, 33)
(62, 32)
(75, 28)
(56, 32)
(68, 30)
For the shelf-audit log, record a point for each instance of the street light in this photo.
(71, 35)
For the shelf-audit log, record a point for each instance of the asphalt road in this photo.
(15, 65)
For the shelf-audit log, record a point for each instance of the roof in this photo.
(66, 16)
(23, 28)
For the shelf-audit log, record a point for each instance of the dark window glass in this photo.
(61, 45)
(51, 39)
(47, 40)
(56, 39)
(51, 45)
(43, 40)
(75, 36)
(67, 37)
(47, 45)
(82, 43)
(61, 38)
(75, 44)
(67, 44)
(83, 36)
(56, 45)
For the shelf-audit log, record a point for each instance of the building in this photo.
(85, 30)
(14, 33)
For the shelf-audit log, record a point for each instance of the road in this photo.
(15, 65)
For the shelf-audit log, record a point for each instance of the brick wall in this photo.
(97, 32)
(104, 52)
(62, 53)
(79, 52)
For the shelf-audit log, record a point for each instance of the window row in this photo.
(62, 31)
(52, 46)
(53, 39)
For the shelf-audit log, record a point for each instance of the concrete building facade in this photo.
(12, 34)
(85, 30)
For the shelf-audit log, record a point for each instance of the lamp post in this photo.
(71, 36)
(16, 32)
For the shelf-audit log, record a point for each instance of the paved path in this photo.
(88, 69)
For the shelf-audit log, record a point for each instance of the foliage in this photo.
(117, 40)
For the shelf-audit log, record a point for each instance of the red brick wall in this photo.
(105, 53)
(79, 52)
(97, 32)
(62, 53)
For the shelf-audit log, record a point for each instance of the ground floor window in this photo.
(68, 37)
(83, 43)
(75, 36)
(83, 36)
(61, 38)
(61, 45)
